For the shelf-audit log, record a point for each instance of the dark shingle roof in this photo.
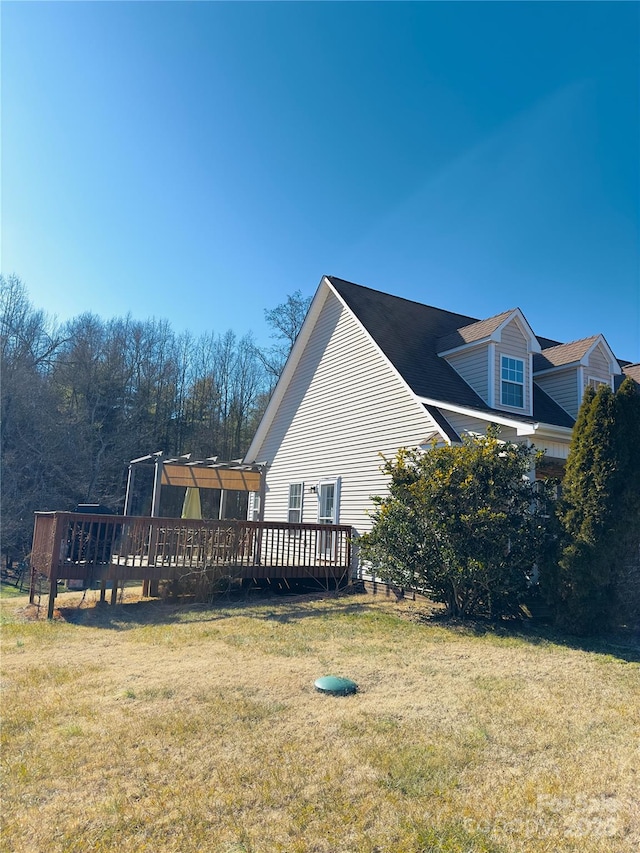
(547, 411)
(443, 423)
(408, 333)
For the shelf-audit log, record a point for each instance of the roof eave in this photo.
(465, 346)
(557, 368)
(523, 428)
(533, 344)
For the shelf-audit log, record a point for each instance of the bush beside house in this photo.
(466, 522)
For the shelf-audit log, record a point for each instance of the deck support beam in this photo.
(32, 585)
(53, 589)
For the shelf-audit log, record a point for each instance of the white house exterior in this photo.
(370, 373)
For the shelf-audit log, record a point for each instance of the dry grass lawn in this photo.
(151, 727)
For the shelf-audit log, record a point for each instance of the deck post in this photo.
(32, 580)
(128, 499)
(103, 590)
(61, 519)
(32, 584)
(53, 589)
(257, 553)
(114, 593)
(152, 586)
(157, 486)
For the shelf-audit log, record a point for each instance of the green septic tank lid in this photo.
(335, 685)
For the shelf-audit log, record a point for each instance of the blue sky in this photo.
(200, 161)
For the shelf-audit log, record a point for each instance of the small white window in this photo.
(512, 382)
(594, 383)
(295, 503)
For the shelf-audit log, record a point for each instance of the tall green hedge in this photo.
(600, 513)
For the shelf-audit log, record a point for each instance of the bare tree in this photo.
(286, 321)
(30, 434)
(80, 401)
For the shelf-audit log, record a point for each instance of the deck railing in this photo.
(89, 547)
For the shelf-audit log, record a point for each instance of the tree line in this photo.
(81, 399)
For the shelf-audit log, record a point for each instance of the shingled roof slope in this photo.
(443, 423)
(547, 411)
(562, 354)
(473, 332)
(407, 332)
(632, 370)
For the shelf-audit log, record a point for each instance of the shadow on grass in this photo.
(259, 605)
(8, 590)
(623, 644)
(265, 605)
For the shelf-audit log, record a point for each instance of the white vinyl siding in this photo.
(562, 386)
(472, 365)
(513, 345)
(599, 363)
(552, 448)
(343, 407)
(597, 369)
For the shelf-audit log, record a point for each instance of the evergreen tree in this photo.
(628, 502)
(599, 508)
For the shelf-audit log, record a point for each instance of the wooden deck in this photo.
(116, 548)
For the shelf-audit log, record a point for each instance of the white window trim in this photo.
(581, 385)
(253, 506)
(299, 509)
(529, 380)
(597, 379)
(335, 481)
(491, 374)
(511, 382)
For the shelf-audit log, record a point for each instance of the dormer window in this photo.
(594, 383)
(512, 382)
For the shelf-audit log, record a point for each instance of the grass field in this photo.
(151, 727)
